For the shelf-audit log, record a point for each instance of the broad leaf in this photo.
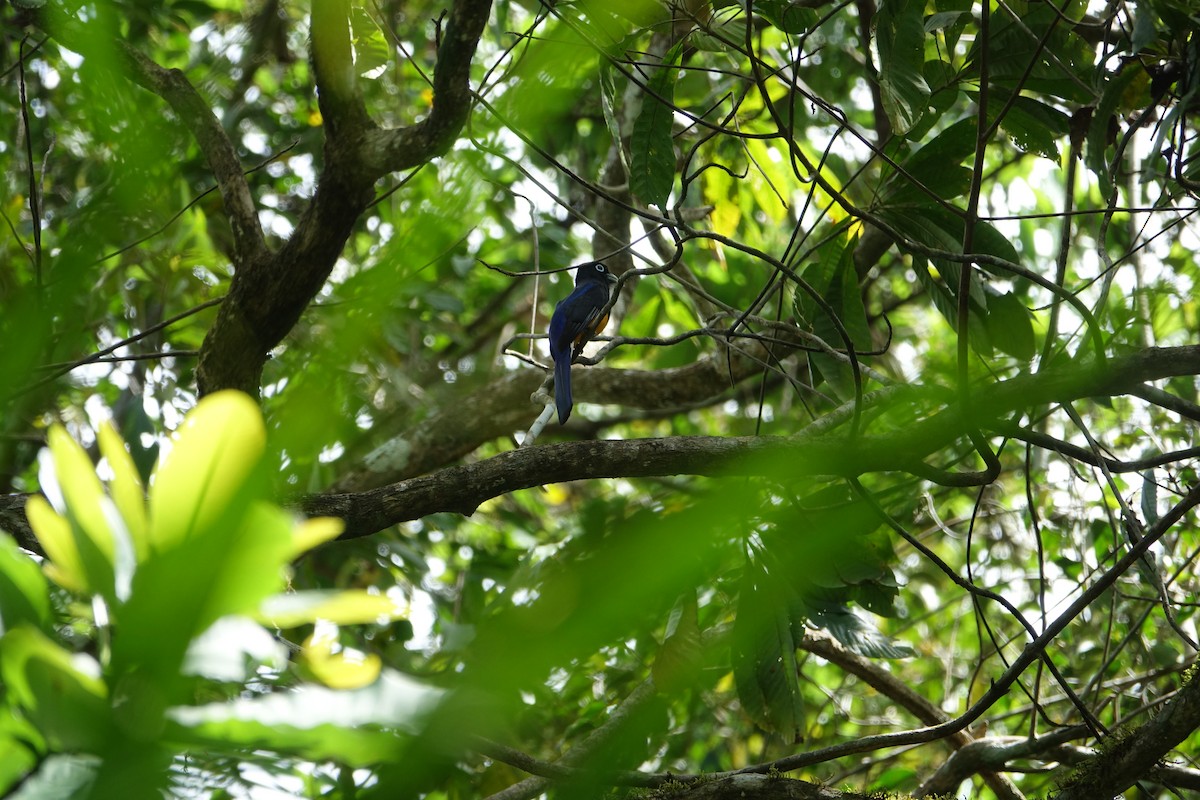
(764, 653)
(787, 16)
(339, 607)
(858, 635)
(1011, 326)
(652, 151)
(125, 486)
(216, 449)
(1103, 126)
(59, 692)
(1034, 126)
(339, 668)
(900, 34)
(24, 593)
(65, 566)
(16, 759)
(836, 280)
(80, 538)
(937, 167)
(354, 727)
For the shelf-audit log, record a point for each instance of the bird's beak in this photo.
(611, 278)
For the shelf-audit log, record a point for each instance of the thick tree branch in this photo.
(268, 299)
(1169, 775)
(761, 787)
(502, 406)
(463, 488)
(338, 93)
(385, 151)
(15, 524)
(173, 86)
(269, 291)
(994, 754)
(1130, 756)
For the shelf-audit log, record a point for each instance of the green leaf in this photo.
(836, 280)
(938, 227)
(85, 507)
(723, 32)
(1149, 502)
(764, 654)
(323, 658)
(125, 485)
(227, 568)
(339, 607)
(1103, 123)
(19, 742)
(944, 19)
(937, 166)
(1010, 326)
(353, 727)
(945, 301)
(54, 534)
(24, 593)
(900, 32)
(1034, 126)
(677, 663)
(652, 151)
(60, 776)
(962, 10)
(68, 705)
(370, 45)
(788, 16)
(1015, 43)
(943, 81)
(678, 313)
(857, 634)
(608, 104)
(216, 552)
(216, 449)
(1144, 29)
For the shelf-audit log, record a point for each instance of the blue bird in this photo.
(577, 318)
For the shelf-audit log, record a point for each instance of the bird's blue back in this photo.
(577, 318)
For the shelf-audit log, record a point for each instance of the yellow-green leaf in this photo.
(82, 491)
(60, 693)
(125, 486)
(54, 533)
(313, 532)
(336, 667)
(652, 150)
(216, 449)
(342, 608)
(24, 594)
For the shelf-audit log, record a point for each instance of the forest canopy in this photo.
(881, 476)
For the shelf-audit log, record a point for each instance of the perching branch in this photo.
(829, 452)
(501, 406)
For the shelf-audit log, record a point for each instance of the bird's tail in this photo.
(562, 387)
